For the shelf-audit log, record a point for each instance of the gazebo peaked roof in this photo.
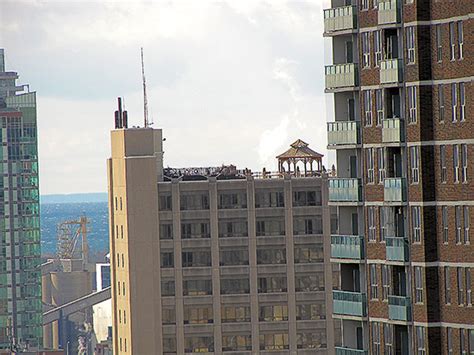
(300, 150)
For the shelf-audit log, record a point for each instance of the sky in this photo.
(229, 82)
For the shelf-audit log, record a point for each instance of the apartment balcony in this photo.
(391, 71)
(389, 12)
(394, 189)
(347, 247)
(349, 351)
(396, 248)
(399, 308)
(343, 133)
(342, 18)
(345, 190)
(340, 76)
(349, 303)
(393, 130)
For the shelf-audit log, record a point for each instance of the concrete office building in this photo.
(218, 260)
(402, 82)
(20, 276)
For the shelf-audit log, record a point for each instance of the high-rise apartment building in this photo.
(207, 261)
(402, 82)
(20, 275)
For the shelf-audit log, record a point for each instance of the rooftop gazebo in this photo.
(300, 154)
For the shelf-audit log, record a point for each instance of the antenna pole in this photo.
(145, 101)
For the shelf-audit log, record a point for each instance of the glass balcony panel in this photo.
(396, 248)
(347, 247)
(349, 351)
(389, 12)
(390, 71)
(393, 130)
(399, 308)
(394, 189)
(340, 18)
(341, 75)
(344, 190)
(349, 303)
(343, 133)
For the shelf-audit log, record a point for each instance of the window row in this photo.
(461, 276)
(455, 32)
(457, 102)
(269, 284)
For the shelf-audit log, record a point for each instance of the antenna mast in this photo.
(145, 100)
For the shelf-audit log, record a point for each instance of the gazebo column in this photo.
(305, 167)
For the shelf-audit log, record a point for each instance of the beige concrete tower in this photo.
(134, 251)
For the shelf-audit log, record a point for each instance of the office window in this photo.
(198, 314)
(454, 102)
(371, 223)
(370, 152)
(232, 228)
(167, 259)
(307, 225)
(388, 338)
(195, 230)
(314, 339)
(416, 224)
(166, 231)
(462, 99)
(167, 288)
(235, 286)
(165, 202)
(367, 107)
(442, 162)
(365, 49)
(412, 104)
(265, 198)
(410, 33)
(197, 287)
(310, 311)
(234, 256)
(381, 164)
(194, 201)
(456, 163)
(418, 285)
(232, 314)
(468, 287)
(458, 216)
(375, 338)
(420, 341)
(236, 342)
(439, 42)
(169, 345)
(231, 200)
(308, 283)
(274, 341)
(452, 43)
(460, 285)
(307, 198)
(463, 162)
(266, 255)
(386, 281)
(272, 284)
(414, 164)
(447, 285)
(378, 45)
(449, 340)
(466, 225)
(460, 40)
(305, 254)
(196, 258)
(121, 231)
(445, 223)
(199, 344)
(270, 226)
(273, 313)
(441, 102)
(168, 315)
(373, 282)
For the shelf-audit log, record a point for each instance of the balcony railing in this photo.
(345, 190)
(396, 248)
(391, 71)
(394, 189)
(347, 247)
(399, 308)
(340, 19)
(393, 130)
(349, 303)
(349, 351)
(389, 12)
(343, 133)
(341, 75)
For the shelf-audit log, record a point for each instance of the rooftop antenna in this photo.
(145, 101)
